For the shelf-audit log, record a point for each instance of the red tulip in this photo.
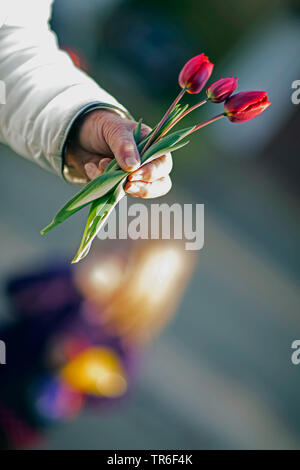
(195, 73)
(221, 89)
(246, 105)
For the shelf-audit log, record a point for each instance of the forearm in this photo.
(45, 92)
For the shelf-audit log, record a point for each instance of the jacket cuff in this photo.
(46, 133)
(69, 173)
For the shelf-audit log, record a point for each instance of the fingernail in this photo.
(90, 170)
(103, 164)
(131, 163)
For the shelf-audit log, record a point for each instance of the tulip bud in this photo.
(246, 105)
(221, 89)
(195, 73)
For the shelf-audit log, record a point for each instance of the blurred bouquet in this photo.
(104, 192)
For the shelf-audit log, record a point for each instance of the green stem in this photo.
(163, 120)
(188, 111)
(205, 123)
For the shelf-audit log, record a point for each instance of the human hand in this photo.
(102, 135)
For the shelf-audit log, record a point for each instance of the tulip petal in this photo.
(246, 105)
(222, 89)
(240, 101)
(195, 73)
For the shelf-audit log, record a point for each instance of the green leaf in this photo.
(137, 131)
(141, 144)
(93, 190)
(58, 219)
(95, 210)
(101, 209)
(165, 144)
(113, 165)
(97, 217)
(172, 116)
(178, 110)
(165, 150)
(97, 188)
(104, 192)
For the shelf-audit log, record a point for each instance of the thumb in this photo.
(118, 134)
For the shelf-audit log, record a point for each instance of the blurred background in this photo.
(220, 375)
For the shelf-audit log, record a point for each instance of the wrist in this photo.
(73, 142)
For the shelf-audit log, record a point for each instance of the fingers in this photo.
(103, 164)
(149, 190)
(155, 181)
(144, 131)
(151, 180)
(93, 170)
(118, 134)
(105, 133)
(158, 168)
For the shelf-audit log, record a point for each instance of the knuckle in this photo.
(144, 190)
(146, 172)
(130, 125)
(114, 129)
(108, 130)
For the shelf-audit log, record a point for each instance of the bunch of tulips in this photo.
(104, 192)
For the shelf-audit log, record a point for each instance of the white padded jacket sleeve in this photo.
(45, 92)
